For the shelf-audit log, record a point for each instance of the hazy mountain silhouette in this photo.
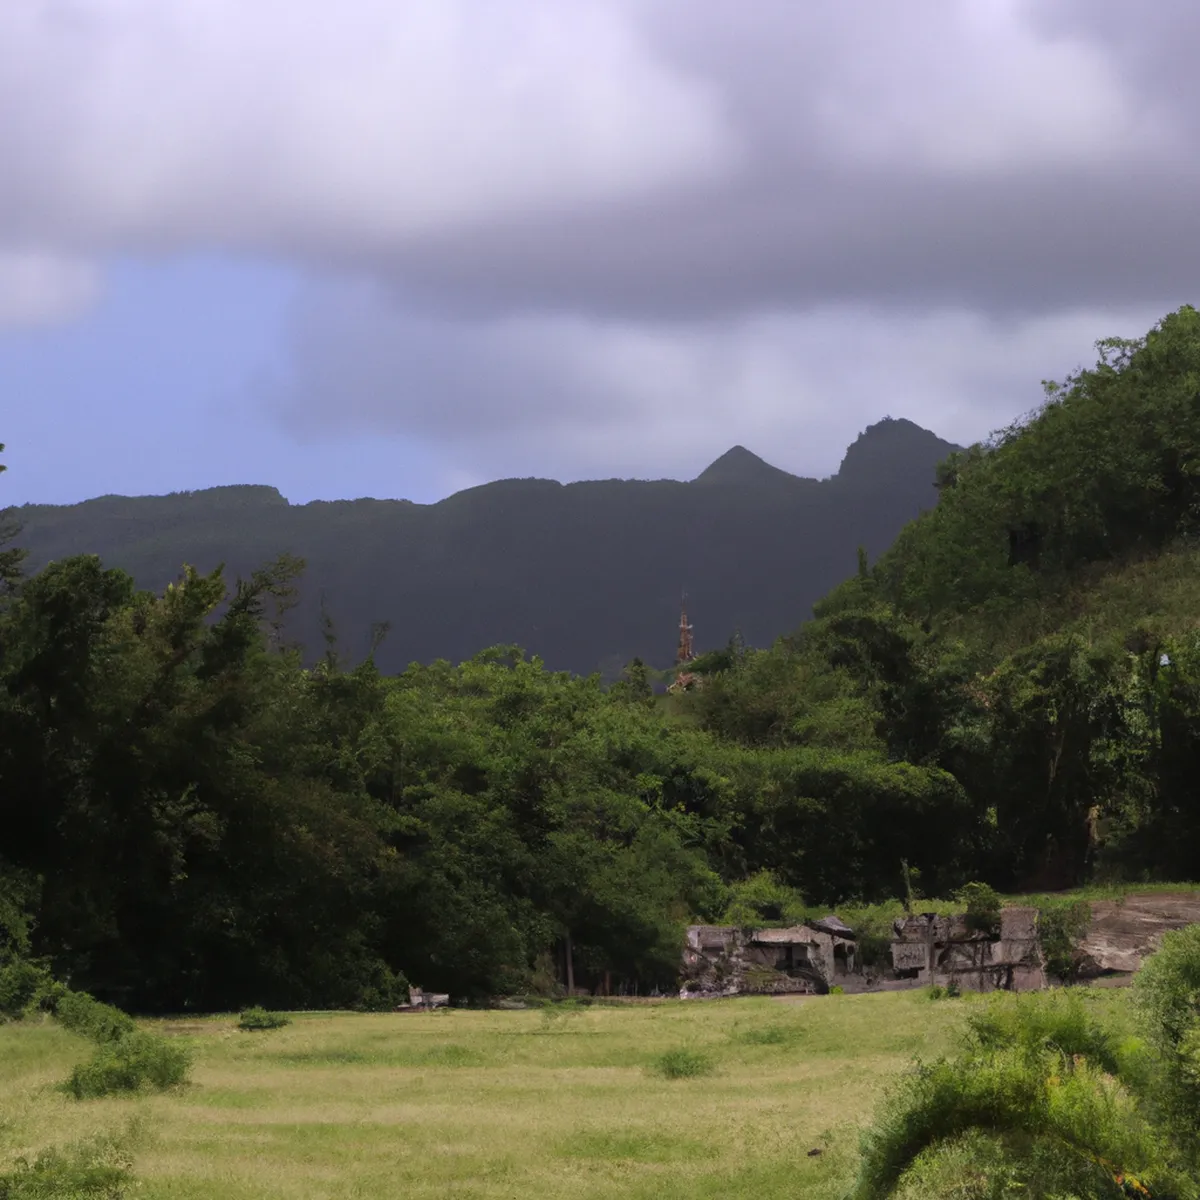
(587, 575)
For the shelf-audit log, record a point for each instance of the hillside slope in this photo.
(586, 575)
(1036, 633)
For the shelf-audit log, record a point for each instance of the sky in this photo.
(400, 247)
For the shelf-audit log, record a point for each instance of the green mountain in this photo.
(586, 575)
(1035, 634)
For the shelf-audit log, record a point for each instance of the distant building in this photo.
(723, 960)
(932, 949)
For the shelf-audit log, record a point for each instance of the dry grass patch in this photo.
(496, 1104)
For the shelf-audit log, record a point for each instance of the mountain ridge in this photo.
(586, 575)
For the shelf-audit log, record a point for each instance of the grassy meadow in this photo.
(537, 1103)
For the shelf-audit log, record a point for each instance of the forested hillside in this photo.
(192, 818)
(587, 575)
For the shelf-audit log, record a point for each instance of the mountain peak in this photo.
(740, 465)
(892, 446)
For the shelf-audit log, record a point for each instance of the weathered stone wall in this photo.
(931, 949)
(723, 960)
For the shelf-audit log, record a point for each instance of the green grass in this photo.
(683, 1063)
(499, 1104)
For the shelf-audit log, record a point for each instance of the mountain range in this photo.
(586, 575)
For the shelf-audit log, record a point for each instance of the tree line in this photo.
(195, 819)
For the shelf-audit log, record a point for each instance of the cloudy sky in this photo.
(398, 247)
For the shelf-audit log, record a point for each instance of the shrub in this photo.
(1167, 989)
(1167, 992)
(950, 992)
(982, 904)
(129, 1064)
(21, 984)
(683, 1064)
(1038, 1104)
(258, 1018)
(1045, 1104)
(383, 991)
(982, 1165)
(95, 1169)
(1061, 927)
(763, 900)
(86, 1016)
(1035, 1024)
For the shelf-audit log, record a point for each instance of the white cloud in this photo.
(43, 289)
(975, 88)
(350, 126)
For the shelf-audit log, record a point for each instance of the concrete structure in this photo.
(723, 960)
(420, 1000)
(930, 949)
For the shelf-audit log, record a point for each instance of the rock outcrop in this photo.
(1121, 933)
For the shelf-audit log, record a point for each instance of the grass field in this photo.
(538, 1103)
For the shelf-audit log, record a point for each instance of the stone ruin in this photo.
(420, 1000)
(725, 960)
(927, 949)
(934, 950)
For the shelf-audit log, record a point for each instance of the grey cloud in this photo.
(1062, 179)
(633, 158)
(615, 236)
(580, 398)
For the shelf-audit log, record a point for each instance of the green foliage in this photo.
(1039, 1024)
(98, 1168)
(132, 1063)
(1062, 926)
(762, 900)
(980, 1165)
(22, 984)
(950, 992)
(982, 907)
(1002, 695)
(1167, 991)
(86, 1016)
(1033, 1102)
(258, 1018)
(382, 990)
(683, 1063)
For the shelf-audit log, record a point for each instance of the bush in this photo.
(950, 992)
(129, 1064)
(22, 983)
(258, 1018)
(96, 1169)
(1045, 1105)
(683, 1064)
(982, 904)
(1035, 1024)
(385, 990)
(1167, 992)
(86, 1016)
(1061, 927)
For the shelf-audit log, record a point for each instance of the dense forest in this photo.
(196, 816)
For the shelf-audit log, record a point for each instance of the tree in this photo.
(11, 557)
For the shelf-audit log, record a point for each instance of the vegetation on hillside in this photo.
(197, 818)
